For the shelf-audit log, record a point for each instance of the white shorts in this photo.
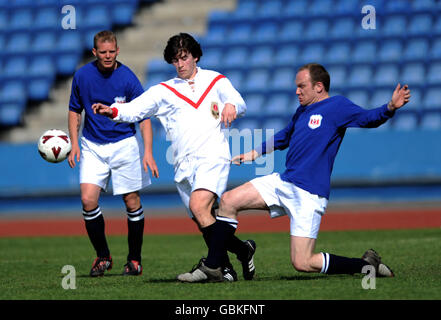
(120, 160)
(194, 173)
(304, 209)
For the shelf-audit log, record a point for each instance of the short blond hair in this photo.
(103, 36)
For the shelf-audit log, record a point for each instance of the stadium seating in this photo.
(35, 49)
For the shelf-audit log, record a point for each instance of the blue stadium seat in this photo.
(405, 122)
(98, 17)
(278, 104)
(397, 6)
(346, 8)
(434, 74)
(66, 63)
(216, 17)
(235, 77)
(435, 50)
(245, 9)
(394, 26)
(338, 53)
(360, 76)
(390, 51)
(215, 36)
(41, 76)
(15, 68)
(44, 42)
(123, 12)
(47, 18)
(316, 29)
(420, 24)
(256, 80)
(431, 121)
(255, 103)
(338, 76)
(283, 79)
(416, 49)
(4, 19)
(276, 124)
(20, 20)
(359, 97)
(239, 34)
(342, 29)
(294, 9)
(236, 57)
(13, 92)
(291, 30)
(247, 123)
(413, 73)
(425, 6)
(364, 52)
(265, 33)
(18, 43)
(386, 75)
(380, 97)
(321, 8)
(312, 53)
(415, 102)
(432, 98)
(286, 55)
(11, 113)
(269, 9)
(262, 56)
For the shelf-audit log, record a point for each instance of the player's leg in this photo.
(135, 226)
(94, 175)
(95, 227)
(243, 197)
(128, 177)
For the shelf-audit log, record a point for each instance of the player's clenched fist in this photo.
(99, 108)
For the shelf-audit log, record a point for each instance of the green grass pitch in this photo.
(31, 268)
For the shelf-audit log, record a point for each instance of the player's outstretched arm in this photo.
(245, 157)
(99, 108)
(400, 97)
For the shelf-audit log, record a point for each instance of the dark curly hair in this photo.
(182, 42)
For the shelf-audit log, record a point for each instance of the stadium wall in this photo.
(366, 158)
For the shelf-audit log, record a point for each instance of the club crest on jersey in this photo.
(315, 121)
(120, 99)
(215, 110)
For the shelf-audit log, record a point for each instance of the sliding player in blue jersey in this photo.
(313, 138)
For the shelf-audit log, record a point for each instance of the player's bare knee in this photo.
(300, 264)
(226, 206)
(132, 201)
(89, 203)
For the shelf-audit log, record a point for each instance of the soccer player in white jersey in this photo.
(109, 149)
(192, 108)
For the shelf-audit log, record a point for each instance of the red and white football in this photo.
(54, 145)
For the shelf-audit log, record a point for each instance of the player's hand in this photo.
(400, 97)
(228, 115)
(99, 108)
(74, 155)
(246, 157)
(149, 162)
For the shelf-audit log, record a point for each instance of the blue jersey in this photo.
(314, 136)
(90, 86)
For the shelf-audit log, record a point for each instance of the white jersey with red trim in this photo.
(189, 113)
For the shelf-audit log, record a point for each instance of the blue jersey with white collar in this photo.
(90, 86)
(314, 136)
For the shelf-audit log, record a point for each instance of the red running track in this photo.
(331, 221)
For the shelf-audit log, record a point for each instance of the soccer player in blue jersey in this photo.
(109, 149)
(313, 137)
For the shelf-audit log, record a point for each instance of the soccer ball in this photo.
(54, 145)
